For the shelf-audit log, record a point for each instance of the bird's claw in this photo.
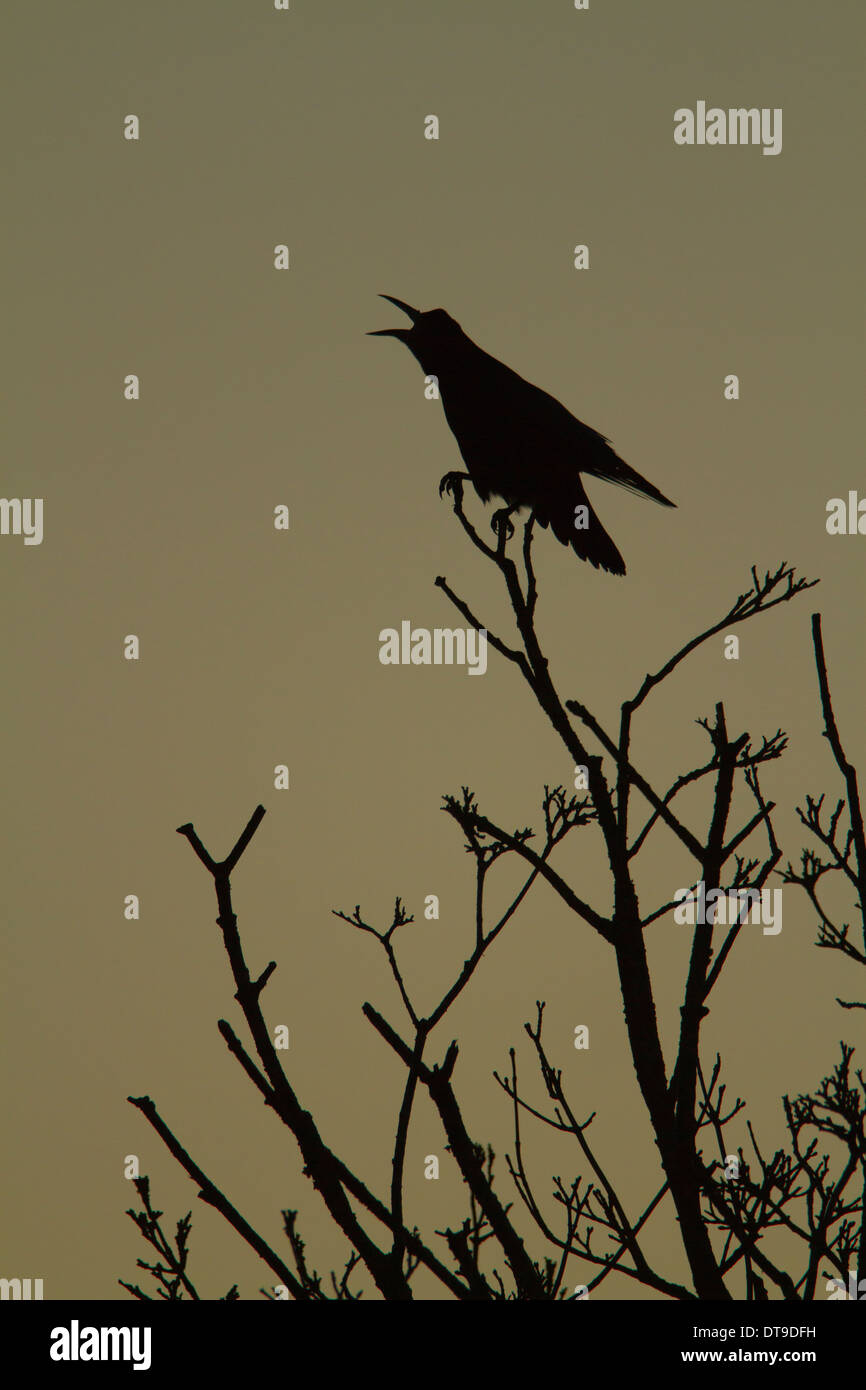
(453, 483)
(502, 519)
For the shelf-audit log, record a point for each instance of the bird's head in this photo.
(429, 331)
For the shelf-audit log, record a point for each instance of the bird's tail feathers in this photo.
(585, 534)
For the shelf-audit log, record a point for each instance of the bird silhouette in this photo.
(518, 442)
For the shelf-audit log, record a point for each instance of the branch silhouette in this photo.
(724, 1206)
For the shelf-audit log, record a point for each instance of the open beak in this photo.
(413, 314)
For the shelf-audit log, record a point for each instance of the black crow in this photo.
(518, 442)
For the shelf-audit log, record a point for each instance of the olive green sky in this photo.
(259, 648)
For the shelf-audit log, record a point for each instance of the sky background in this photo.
(259, 647)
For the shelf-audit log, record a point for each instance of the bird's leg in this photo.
(453, 483)
(502, 519)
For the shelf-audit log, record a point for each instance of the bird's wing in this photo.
(529, 411)
(602, 462)
(591, 451)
